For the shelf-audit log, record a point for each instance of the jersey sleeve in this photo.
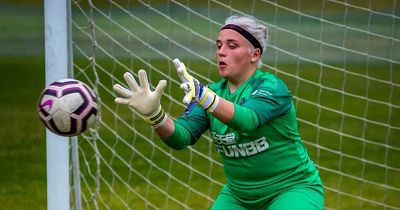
(188, 129)
(268, 101)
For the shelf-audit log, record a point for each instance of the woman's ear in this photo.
(255, 55)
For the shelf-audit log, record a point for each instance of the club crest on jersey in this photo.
(242, 101)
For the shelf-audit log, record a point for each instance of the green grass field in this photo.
(22, 143)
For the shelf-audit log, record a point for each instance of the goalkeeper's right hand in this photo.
(142, 99)
(194, 90)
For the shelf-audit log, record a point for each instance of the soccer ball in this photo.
(67, 107)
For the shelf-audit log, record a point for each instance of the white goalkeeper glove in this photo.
(195, 91)
(142, 99)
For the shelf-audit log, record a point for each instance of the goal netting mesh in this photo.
(340, 59)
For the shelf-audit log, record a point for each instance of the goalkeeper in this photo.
(252, 121)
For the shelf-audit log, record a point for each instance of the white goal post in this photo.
(58, 63)
(340, 59)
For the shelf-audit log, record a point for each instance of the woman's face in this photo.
(234, 58)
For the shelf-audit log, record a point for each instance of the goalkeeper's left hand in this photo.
(194, 90)
(142, 99)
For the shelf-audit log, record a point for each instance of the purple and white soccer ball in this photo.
(67, 107)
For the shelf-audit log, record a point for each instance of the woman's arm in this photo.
(185, 130)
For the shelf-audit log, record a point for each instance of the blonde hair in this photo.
(250, 24)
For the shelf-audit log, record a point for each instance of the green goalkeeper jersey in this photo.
(261, 147)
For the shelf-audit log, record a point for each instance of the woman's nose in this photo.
(221, 51)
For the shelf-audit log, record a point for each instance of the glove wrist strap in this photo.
(209, 100)
(157, 118)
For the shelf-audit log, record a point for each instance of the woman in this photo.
(252, 121)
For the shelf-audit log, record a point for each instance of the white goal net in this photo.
(340, 59)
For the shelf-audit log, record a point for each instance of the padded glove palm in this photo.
(141, 98)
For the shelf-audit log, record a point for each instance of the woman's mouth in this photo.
(222, 64)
